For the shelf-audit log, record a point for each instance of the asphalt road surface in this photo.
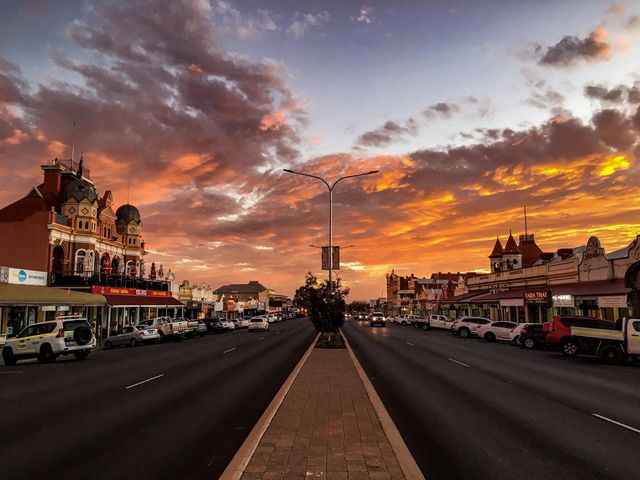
(469, 409)
(95, 419)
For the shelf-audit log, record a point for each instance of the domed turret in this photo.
(128, 213)
(79, 190)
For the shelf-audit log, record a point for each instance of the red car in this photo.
(558, 332)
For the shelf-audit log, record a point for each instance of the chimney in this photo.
(52, 177)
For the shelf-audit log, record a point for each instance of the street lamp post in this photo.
(330, 187)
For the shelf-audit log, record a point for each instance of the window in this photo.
(27, 332)
(81, 257)
(44, 328)
(73, 324)
(636, 326)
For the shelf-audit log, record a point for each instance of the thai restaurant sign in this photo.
(128, 291)
(537, 297)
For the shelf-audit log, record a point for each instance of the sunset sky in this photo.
(469, 109)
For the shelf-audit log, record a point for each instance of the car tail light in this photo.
(60, 333)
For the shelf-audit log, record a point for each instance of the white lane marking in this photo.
(277, 333)
(230, 350)
(261, 338)
(459, 363)
(616, 423)
(411, 344)
(144, 381)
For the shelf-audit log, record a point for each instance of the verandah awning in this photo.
(142, 301)
(29, 295)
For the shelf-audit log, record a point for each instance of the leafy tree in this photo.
(325, 307)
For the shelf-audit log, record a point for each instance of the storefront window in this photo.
(16, 320)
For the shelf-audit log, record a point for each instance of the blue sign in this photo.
(22, 276)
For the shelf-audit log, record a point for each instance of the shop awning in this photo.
(496, 297)
(27, 295)
(142, 301)
(588, 289)
(464, 298)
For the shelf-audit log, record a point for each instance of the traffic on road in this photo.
(134, 412)
(504, 405)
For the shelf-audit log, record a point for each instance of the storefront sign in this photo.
(128, 291)
(512, 302)
(564, 301)
(21, 276)
(613, 301)
(536, 297)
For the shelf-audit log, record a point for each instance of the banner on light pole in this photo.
(325, 258)
(335, 258)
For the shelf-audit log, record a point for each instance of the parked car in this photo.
(377, 318)
(48, 340)
(494, 331)
(532, 336)
(228, 324)
(258, 324)
(167, 327)
(192, 326)
(558, 332)
(243, 322)
(214, 325)
(516, 331)
(201, 331)
(133, 335)
(439, 321)
(466, 326)
(403, 320)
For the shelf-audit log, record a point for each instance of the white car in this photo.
(377, 318)
(48, 340)
(494, 331)
(133, 335)
(271, 318)
(243, 322)
(228, 324)
(440, 322)
(465, 327)
(517, 331)
(258, 324)
(403, 320)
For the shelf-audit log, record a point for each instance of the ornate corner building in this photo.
(64, 227)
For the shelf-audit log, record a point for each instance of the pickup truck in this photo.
(168, 327)
(192, 326)
(610, 346)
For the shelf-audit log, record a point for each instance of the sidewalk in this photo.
(326, 427)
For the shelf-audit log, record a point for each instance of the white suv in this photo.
(496, 331)
(466, 326)
(48, 340)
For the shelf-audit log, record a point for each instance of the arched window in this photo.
(81, 261)
(129, 265)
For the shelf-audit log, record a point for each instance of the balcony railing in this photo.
(87, 279)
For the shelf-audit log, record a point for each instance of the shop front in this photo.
(23, 305)
(129, 306)
(606, 300)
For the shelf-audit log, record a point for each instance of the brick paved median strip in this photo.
(326, 427)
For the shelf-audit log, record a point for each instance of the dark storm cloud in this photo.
(388, 133)
(600, 92)
(614, 129)
(572, 49)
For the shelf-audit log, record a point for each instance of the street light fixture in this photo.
(330, 187)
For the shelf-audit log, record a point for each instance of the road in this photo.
(95, 419)
(472, 409)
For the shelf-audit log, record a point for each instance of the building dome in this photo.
(79, 190)
(128, 213)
